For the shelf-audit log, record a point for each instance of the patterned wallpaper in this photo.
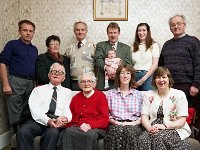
(57, 17)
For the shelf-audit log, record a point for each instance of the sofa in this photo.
(194, 143)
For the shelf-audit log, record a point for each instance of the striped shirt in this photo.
(124, 107)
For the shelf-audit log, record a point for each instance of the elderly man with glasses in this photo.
(89, 117)
(49, 106)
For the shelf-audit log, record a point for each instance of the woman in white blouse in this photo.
(145, 56)
(164, 113)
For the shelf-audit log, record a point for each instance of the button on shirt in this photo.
(20, 58)
(124, 107)
(40, 100)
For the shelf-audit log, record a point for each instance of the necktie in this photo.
(113, 46)
(79, 44)
(52, 106)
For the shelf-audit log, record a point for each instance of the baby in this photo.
(113, 62)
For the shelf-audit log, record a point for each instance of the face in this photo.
(26, 32)
(54, 46)
(177, 26)
(142, 33)
(113, 35)
(111, 54)
(80, 31)
(162, 82)
(125, 76)
(56, 75)
(86, 83)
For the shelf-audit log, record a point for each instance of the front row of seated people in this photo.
(153, 120)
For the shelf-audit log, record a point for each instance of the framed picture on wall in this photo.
(110, 10)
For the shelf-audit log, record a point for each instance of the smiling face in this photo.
(54, 46)
(142, 33)
(113, 34)
(177, 26)
(56, 74)
(87, 83)
(80, 30)
(162, 82)
(125, 77)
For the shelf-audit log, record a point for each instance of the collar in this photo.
(131, 91)
(83, 41)
(20, 40)
(182, 35)
(51, 86)
(89, 94)
(115, 44)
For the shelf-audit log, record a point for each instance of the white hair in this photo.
(91, 74)
(177, 15)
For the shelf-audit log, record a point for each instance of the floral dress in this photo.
(164, 139)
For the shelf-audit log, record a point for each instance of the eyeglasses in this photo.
(176, 24)
(57, 72)
(125, 73)
(86, 81)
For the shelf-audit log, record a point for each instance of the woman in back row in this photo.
(145, 57)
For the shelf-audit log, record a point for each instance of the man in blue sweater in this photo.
(181, 55)
(20, 57)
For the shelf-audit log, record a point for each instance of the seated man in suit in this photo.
(123, 51)
(49, 106)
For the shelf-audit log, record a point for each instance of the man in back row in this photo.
(81, 54)
(123, 51)
(20, 57)
(181, 55)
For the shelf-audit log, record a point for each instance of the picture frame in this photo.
(110, 10)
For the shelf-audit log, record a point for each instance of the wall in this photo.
(57, 17)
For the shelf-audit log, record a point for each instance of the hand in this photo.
(193, 91)
(140, 82)
(61, 121)
(85, 127)
(111, 71)
(52, 123)
(7, 90)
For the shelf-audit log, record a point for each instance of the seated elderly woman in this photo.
(164, 113)
(125, 105)
(44, 61)
(89, 117)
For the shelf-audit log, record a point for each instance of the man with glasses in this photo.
(90, 117)
(49, 106)
(181, 55)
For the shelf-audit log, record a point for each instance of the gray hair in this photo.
(77, 22)
(91, 74)
(57, 64)
(177, 15)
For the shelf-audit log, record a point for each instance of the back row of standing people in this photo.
(21, 56)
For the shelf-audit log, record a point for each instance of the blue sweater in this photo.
(182, 57)
(20, 58)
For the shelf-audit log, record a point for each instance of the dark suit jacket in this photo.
(102, 48)
(43, 64)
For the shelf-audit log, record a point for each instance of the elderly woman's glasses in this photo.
(57, 72)
(86, 81)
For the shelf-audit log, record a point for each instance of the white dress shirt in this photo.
(40, 99)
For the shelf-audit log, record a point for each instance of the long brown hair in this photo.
(149, 41)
